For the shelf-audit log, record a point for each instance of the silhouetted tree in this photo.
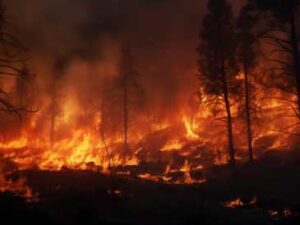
(133, 93)
(284, 35)
(122, 97)
(246, 55)
(11, 62)
(217, 59)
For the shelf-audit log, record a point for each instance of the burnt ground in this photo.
(269, 190)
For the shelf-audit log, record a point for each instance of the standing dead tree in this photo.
(122, 97)
(133, 94)
(11, 64)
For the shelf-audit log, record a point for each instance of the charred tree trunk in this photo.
(229, 124)
(228, 114)
(296, 58)
(248, 114)
(225, 90)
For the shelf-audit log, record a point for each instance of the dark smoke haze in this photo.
(79, 42)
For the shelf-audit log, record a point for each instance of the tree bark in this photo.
(228, 113)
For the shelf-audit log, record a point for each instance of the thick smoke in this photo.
(78, 42)
(163, 35)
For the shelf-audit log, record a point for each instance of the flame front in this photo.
(78, 129)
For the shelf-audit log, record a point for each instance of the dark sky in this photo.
(72, 26)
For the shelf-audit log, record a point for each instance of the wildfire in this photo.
(77, 143)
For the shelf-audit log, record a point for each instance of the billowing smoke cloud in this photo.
(79, 41)
(163, 34)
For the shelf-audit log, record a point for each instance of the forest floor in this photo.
(265, 192)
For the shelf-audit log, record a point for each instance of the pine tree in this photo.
(217, 59)
(282, 32)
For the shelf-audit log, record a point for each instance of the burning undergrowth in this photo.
(177, 153)
(113, 101)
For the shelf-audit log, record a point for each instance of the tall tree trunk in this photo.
(228, 114)
(296, 58)
(229, 127)
(248, 115)
(226, 100)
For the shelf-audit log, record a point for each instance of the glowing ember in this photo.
(285, 213)
(18, 187)
(239, 203)
(234, 203)
(148, 176)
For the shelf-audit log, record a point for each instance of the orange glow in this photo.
(189, 129)
(185, 141)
